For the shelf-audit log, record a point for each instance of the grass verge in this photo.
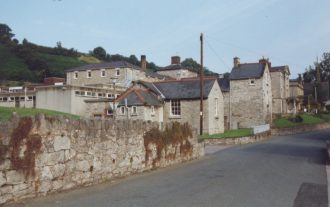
(6, 113)
(306, 119)
(229, 134)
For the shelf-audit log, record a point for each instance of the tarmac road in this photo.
(282, 171)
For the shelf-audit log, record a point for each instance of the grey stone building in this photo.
(176, 70)
(296, 99)
(119, 72)
(280, 88)
(179, 100)
(250, 94)
(224, 84)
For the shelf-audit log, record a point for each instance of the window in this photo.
(89, 93)
(75, 75)
(89, 73)
(93, 94)
(109, 112)
(252, 82)
(22, 98)
(4, 99)
(134, 110)
(0, 98)
(152, 110)
(102, 73)
(77, 93)
(122, 110)
(30, 98)
(216, 107)
(175, 108)
(117, 72)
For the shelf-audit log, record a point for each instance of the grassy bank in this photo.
(229, 134)
(286, 122)
(6, 113)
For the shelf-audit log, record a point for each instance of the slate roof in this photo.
(279, 69)
(96, 66)
(173, 67)
(184, 89)
(247, 71)
(138, 97)
(224, 84)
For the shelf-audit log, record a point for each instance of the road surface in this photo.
(282, 171)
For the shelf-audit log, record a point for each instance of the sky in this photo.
(288, 32)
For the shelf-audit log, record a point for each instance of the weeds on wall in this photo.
(175, 134)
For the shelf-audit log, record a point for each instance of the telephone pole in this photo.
(201, 86)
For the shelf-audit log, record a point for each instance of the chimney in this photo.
(143, 62)
(175, 60)
(236, 62)
(265, 61)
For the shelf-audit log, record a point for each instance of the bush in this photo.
(296, 119)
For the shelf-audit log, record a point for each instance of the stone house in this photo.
(250, 94)
(296, 100)
(175, 101)
(120, 73)
(224, 84)
(280, 88)
(176, 70)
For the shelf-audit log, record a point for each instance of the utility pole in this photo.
(201, 86)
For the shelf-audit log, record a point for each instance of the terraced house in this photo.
(250, 94)
(280, 88)
(174, 101)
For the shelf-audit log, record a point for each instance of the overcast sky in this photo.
(288, 32)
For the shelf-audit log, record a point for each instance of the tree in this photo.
(192, 64)
(99, 53)
(310, 73)
(5, 33)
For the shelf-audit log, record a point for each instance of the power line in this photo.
(254, 52)
(218, 56)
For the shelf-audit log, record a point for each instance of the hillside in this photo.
(13, 67)
(30, 62)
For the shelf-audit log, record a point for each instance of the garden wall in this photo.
(239, 140)
(43, 155)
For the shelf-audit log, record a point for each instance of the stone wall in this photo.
(43, 155)
(239, 140)
(96, 78)
(178, 74)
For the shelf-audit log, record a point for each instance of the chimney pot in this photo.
(143, 62)
(237, 61)
(175, 60)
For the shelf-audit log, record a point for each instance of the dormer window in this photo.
(252, 81)
(89, 73)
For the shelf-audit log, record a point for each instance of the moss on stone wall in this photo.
(24, 147)
(175, 134)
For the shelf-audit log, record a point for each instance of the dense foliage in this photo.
(324, 65)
